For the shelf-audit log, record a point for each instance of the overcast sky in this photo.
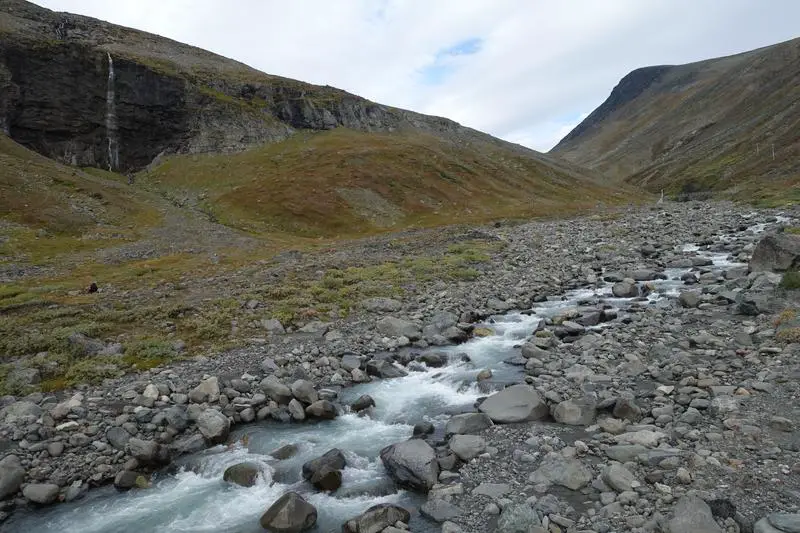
(524, 70)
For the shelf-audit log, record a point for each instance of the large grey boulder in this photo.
(518, 518)
(411, 464)
(376, 519)
(322, 409)
(304, 391)
(556, 469)
(41, 493)
(518, 403)
(467, 423)
(625, 289)
(206, 391)
(778, 523)
(574, 412)
(20, 409)
(619, 478)
(333, 460)
(397, 327)
(118, 437)
(440, 510)
(276, 390)
(693, 515)
(243, 474)
(778, 253)
(214, 426)
(384, 369)
(147, 452)
(11, 476)
(289, 514)
(467, 447)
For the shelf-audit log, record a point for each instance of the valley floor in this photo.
(685, 397)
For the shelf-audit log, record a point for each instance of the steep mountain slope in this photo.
(89, 93)
(706, 126)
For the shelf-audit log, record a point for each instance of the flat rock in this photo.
(440, 510)
(558, 470)
(518, 403)
(693, 515)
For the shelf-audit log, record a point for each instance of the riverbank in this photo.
(137, 423)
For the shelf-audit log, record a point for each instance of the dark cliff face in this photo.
(629, 87)
(167, 97)
(55, 101)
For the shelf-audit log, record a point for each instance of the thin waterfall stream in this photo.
(111, 118)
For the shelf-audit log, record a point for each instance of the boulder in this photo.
(118, 437)
(41, 493)
(273, 326)
(322, 409)
(19, 410)
(518, 518)
(331, 460)
(574, 412)
(440, 510)
(693, 515)
(363, 402)
(778, 253)
(467, 447)
(296, 410)
(689, 299)
(376, 519)
(214, 426)
(284, 452)
(289, 514)
(147, 452)
(327, 479)
(556, 469)
(128, 479)
(206, 391)
(276, 390)
(518, 403)
(303, 390)
(243, 474)
(83, 345)
(384, 369)
(176, 417)
(467, 423)
(619, 478)
(433, 359)
(11, 476)
(625, 289)
(778, 523)
(397, 327)
(411, 464)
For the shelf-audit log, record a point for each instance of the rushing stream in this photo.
(195, 499)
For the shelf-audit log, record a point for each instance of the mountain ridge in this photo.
(707, 126)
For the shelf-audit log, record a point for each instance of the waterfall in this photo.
(111, 119)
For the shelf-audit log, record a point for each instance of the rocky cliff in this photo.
(57, 91)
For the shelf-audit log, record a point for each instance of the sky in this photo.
(527, 71)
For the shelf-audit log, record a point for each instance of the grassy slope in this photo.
(697, 129)
(48, 209)
(306, 185)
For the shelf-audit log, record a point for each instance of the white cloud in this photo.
(538, 61)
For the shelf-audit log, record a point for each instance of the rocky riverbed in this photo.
(643, 404)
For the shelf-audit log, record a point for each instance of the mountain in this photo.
(257, 151)
(702, 127)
